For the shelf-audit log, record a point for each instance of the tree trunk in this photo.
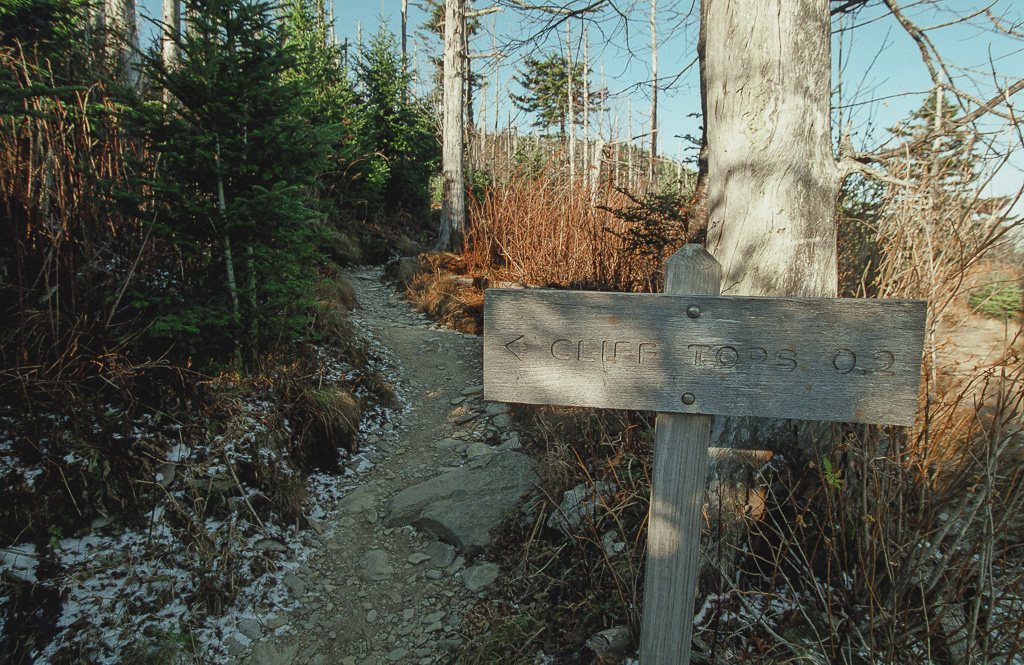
(571, 113)
(773, 183)
(171, 27)
(405, 23)
(119, 18)
(629, 144)
(654, 96)
(587, 164)
(697, 211)
(453, 200)
(170, 38)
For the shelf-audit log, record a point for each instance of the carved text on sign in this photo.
(814, 359)
(734, 356)
(607, 351)
(783, 360)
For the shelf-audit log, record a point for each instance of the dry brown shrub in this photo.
(334, 288)
(540, 229)
(439, 291)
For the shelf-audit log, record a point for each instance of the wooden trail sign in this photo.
(689, 357)
(812, 359)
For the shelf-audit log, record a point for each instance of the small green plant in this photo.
(833, 477)
(1001, 300)
(480, 183)
(56, 535)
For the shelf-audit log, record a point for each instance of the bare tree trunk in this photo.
(773, 182)
(470, 122)
(170, 38)
(405, 23)
(453, 199)
(629, 144)
(697, 212)
(589, 180)
(570, 114)
(654, 94)
(119, 17)
(171, 32)
(613, 150)
(229, 261)
(497, 87)
(772, 185)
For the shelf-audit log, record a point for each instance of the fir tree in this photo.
(546, 82)
(399, 129)
(236, 162)
(948, 161)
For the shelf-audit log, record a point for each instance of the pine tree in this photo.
(236, 162)
(319, 68)
(397, 127)
(329, 100)
(948, 161)
(546, 84)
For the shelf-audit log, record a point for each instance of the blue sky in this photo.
(883, 76)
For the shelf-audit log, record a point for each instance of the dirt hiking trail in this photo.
(373, 595)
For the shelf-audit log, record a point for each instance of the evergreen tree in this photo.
(948, 161)
(319, 69)
(236, 162)
(329, 100)
(397, 127)
(546, 82)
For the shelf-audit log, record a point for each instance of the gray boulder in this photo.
(462, 506)
(611, 643)
(374, 566)
(578, 506)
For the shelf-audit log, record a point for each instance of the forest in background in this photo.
(175, 221)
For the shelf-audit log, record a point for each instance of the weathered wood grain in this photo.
(677, 498)
(844, 360)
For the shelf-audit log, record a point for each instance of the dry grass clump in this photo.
(438, 288)
(895, 546)
(334, 290)
(899, 545)
(538, 229)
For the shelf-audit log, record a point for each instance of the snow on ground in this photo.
(122, 585)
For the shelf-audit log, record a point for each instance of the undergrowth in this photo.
(565, 580)
(884, 544)
(99, 425)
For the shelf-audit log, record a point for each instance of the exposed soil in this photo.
(369, 594)
(978, 342)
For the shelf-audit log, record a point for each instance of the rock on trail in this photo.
(387, 580)
(462, 506)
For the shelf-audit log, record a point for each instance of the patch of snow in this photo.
(178, 453)
(21, 561)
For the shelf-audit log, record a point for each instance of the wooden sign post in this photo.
(689, 354)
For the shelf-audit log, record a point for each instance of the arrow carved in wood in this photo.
(518, 344)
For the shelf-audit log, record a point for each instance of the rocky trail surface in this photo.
(399, 558)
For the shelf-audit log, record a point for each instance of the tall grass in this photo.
(68, 252)
(540, 228)
(901, 545)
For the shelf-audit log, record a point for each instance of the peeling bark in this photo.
(772, 179)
